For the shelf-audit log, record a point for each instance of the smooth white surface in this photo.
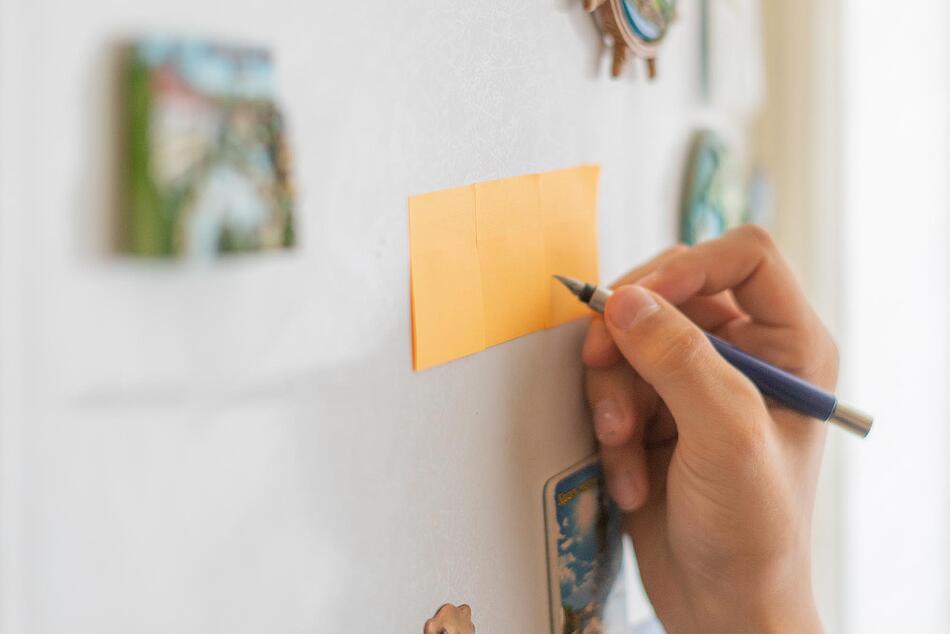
(243, 447)
(897, 307)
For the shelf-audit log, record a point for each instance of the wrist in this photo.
(783, 605)
(795, 616)
(798, 615)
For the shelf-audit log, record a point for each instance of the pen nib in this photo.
(575, 286)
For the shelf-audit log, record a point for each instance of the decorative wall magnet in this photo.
(586, 576)
(634, 27)
(207, 161)
(450, 619)
(715, 194)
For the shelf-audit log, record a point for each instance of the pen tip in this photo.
(575, 286)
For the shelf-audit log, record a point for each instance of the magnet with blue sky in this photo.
(585, 553)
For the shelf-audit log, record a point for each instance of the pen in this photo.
(786, 388)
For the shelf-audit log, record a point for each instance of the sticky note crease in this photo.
(482, 259)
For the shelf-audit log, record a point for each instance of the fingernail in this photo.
(608, 419)
(624, 489)
(629, 305)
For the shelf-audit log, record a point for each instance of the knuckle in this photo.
(801, 349)
(675, 250)
(811, 352)
(828, 370)
(834, 354)
(833, 351)
(826, 346)
(758, 237)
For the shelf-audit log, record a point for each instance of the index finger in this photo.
(745, 261)
(634, 275)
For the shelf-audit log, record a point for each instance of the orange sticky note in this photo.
(570, 195)
(511, 253)
(447, 307)
(569, 204)
(482, 259)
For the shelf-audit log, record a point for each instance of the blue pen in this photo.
(786, 388)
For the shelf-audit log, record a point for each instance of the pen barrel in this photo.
(778, 384)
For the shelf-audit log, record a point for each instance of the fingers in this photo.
(711, 312)
(706, 396)
(635, 275)
(625, 470)
(599, 349)
(808, 352)
(622, 404)
(744, 260)
(708, 312)
(620, 401)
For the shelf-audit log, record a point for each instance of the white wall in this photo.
(243, 447)
(896, 291)
(13, 324)
(858, 135)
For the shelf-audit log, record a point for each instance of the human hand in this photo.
(718, 485)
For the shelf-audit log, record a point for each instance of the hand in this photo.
(718, 485)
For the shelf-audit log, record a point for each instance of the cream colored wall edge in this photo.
(799, 138)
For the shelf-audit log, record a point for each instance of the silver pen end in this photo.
(852, 419)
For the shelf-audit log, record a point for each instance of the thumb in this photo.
(706, 395)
